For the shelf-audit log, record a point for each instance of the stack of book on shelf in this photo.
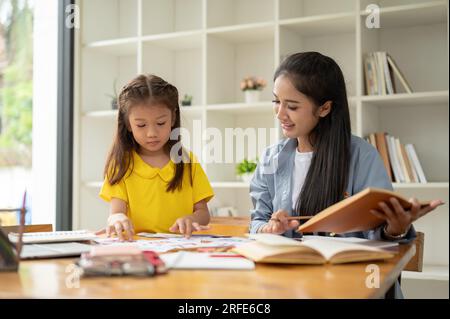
(379, 70)
(401, 161)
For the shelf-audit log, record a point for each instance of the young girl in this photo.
(151, 186)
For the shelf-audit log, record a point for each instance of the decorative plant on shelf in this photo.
(252, 86)
(253, 83)
(187, 100)
(114, 97)
(245, 169)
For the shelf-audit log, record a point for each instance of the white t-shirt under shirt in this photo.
(301, 167)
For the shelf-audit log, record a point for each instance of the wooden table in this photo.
(53, 278)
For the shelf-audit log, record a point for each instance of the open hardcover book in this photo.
(270, 248)
(353, 213)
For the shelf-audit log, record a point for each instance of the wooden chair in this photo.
(416, 263)
(232, 226)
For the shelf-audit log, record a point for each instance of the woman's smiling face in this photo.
(298, 115)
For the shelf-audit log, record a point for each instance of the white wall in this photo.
(45, 111)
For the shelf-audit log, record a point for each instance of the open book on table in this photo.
(353, 213)
(270, 248)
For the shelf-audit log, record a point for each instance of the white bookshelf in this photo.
(205, 47)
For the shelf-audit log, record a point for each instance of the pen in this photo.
(294, 218)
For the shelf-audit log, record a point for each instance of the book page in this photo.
(195, 260)
(168, 244)
(275, 240)
(330, 247)
(360, 241)
(259, 251)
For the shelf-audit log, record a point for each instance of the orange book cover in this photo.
(383, 150)
(353, 213)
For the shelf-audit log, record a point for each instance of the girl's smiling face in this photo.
(151, 126)
(297, 113)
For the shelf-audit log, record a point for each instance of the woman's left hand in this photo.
(398, 220)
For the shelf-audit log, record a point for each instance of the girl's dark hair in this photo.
(320, 78)
(144, 89)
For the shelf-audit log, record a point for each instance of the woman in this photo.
(320, 162)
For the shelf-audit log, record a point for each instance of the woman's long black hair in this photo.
(320, 78)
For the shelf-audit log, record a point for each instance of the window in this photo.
(16, 104)
(28, 108)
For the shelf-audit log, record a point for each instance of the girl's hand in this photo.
(398, 220)
(120, 225)
(185, 225)
(278, 223)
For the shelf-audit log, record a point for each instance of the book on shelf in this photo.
(353, 213)
(399, 74)
(379, 71)
(401, 161)
(407, 164)
(382, 148)
(398, 175)
(270, 248)
(416, 163)
(387, 73)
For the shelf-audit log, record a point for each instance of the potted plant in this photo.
(187, 100)
(252, 86)
(245, 169)
(114, 97)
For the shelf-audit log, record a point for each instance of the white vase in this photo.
(252, 96)
(247, 177)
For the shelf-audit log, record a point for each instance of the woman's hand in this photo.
(279, 224)
(185, 225)
(118, 224)
(398, 220)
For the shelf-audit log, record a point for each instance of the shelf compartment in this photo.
(309, 8)
(292, 41)
(413, 14)
(235, 12)
(108, 20)
(425, 69)
(96, 140)
(166, 16)
(109, 70)
(178, 60)
(233, 138)
(229, 61)
(407, 123)
(239, 199)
